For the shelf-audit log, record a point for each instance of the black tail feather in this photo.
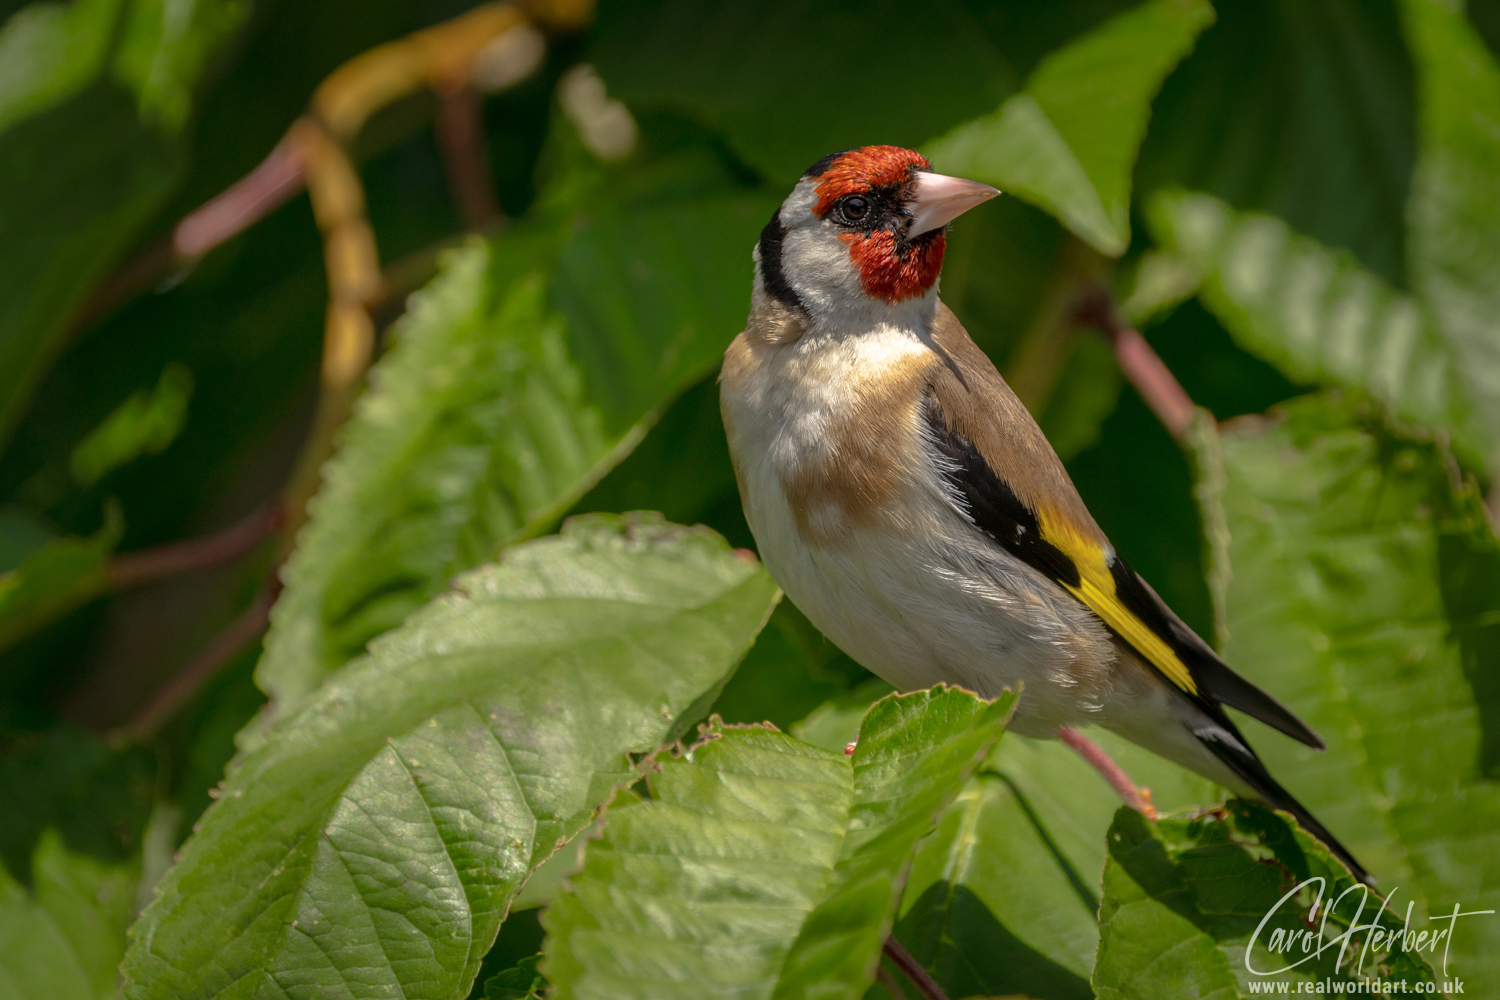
(1230, 747)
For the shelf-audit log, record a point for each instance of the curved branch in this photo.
(187, 682)
(1130, 793)
(135, 568)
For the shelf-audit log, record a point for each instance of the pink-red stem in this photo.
(181, 688)
(1130, 793)
(135, 568)
(1139, 363)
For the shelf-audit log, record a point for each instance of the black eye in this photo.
(854, 208)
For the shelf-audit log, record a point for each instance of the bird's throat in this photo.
(893, 272)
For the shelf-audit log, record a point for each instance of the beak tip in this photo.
(941, 199)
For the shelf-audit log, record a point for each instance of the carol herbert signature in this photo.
(1330, 924)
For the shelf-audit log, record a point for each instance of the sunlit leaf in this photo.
(763, 866)
(70, 850)
(1304, 111)
(1068, 142)
(1454, 210)
(376, 838)
(1364, 590)
(520, 376)
(1186, 906)
(1319, 316)
(62, 939)
(1035, 815)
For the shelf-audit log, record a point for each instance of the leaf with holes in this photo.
(764, 866)
(1035, 816)
(1221, 904)
(375, 840)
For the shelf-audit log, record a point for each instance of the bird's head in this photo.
(862, 232)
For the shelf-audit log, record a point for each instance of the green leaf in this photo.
(1034, 816)
(69, 862)
(787, 83)
(145, 423)
(1208, 905)
(93, 101)
(1318, 316)
(521, 375)
(50, 50)
(764, 866)
(63, 938)
(376, 838)
(56, 578)
(1454, 211)
(1068, 142)
(1301, 110)
(522, 982)
(1361, 585)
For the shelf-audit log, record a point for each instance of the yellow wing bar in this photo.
(1096, 588)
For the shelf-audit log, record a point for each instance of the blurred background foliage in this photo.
(1297, 202)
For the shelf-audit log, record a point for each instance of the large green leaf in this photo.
(1035, 816)
(1454, 211)
(789, 82)
(1302, 109)
(1363, 588)
(1187, 901)
(94, 96)
(521, 375)
(1319, 316)
(764, 866)
(375, 840)
(1068, 142)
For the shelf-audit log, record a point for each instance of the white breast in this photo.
(936, 601)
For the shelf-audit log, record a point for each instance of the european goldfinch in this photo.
(908, 503)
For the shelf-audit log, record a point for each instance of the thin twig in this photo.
(273, 183)
(440, 56)
(1130, 793)
(1141, 365)
(135, 568)
(913, 970)
(181, 688)
(460, 135)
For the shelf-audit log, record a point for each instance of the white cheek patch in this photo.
(817, 266)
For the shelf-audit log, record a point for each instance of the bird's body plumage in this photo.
(908, 503)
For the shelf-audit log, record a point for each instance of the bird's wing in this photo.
(1015, 490)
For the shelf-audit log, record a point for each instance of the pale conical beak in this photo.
(941, 199)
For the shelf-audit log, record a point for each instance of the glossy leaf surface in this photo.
(376, 838)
